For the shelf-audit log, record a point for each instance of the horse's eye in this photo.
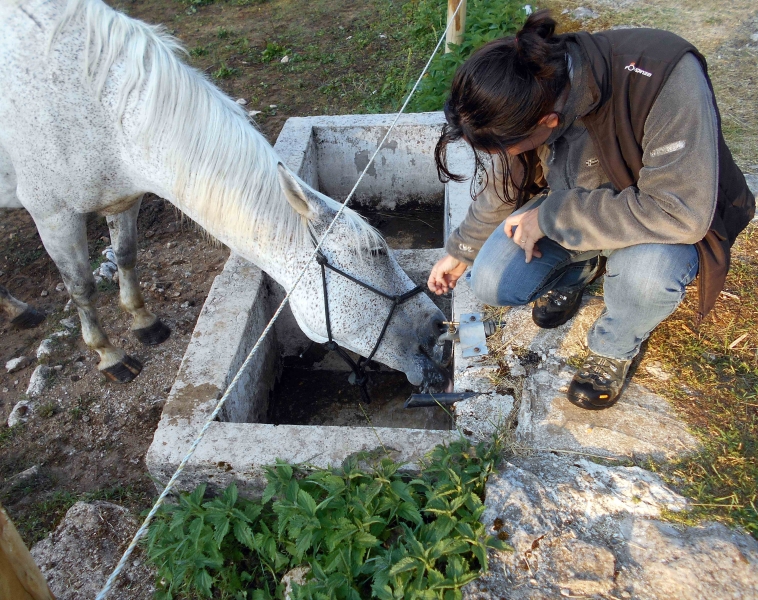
(378, 252)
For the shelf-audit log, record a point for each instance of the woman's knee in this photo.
(651, 272)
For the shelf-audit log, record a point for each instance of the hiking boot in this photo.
(556, 307)
(599, 382)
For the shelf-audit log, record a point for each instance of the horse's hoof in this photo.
(124, 371)
(31, 317)
(155, 334)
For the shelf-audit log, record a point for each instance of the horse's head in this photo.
(357, 315)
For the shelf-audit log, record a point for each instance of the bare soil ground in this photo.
(88, 436)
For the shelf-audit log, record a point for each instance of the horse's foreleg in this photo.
(147, 328)
(21, 314)
(65, 239)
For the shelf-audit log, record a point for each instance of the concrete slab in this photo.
(328, 153)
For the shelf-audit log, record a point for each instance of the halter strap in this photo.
(358, 368)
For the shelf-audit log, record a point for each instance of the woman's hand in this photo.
(445, 274)
(525, 230)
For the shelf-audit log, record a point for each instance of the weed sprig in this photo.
(364, 529)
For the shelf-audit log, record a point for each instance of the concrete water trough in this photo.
(402, 195)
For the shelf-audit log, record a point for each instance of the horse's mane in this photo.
(213, 149)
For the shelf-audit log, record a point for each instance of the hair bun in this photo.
(539, 23)
(535, 43)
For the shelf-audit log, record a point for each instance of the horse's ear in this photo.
(295, 194)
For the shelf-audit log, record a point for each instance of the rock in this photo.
(640, 424)
(69, 306)
(656, 371)
(296, 575)
(20, 413)
(170, 245)
(16, 364)
(45, 348)
(20, 478)
(583, 529)
(38, 381)
(241, 101)
(752, 182)
(70, 322)
(61, 287)
(44, 293)
(582, 13)
(110, 255)
(754, 37)
(272, 105)
(80, 555)
(483, 416)
(106, 270)
(285, 59)
(252, 113)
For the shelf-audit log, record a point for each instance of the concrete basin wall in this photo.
(328, 153)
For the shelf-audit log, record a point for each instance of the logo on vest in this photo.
(634, 69)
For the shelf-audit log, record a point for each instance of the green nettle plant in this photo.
(485, 21)
(363, 530)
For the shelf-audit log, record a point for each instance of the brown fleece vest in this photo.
(629, 68)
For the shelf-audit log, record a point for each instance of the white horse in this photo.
(96, 109)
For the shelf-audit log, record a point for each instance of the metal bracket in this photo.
(471, 331)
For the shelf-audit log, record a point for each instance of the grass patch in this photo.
(35, 519)
(364, 529)
(719, 366)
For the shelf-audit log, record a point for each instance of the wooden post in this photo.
(20, 578)
(455, 33)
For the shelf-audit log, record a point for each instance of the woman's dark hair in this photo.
(498, 97)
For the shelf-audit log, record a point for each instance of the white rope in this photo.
(148, 519)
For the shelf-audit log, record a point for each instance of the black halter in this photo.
(358, 368)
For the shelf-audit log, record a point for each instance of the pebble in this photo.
(582, 13)
(45, 348)
(69, 306)
(16, 364)
(272, 105)
(656, 371)
(38, 381)
(58, 368)
(754, 37)
(5, 390)
(241, 101)
(20, 413)
(70, 322)
(252, 113)
(184, 305)
(60, 287)
(44, 293)
(285, 59)
(109, 255)
(170, 245)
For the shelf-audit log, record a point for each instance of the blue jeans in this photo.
(643, 284)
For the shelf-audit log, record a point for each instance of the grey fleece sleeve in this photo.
(675, 196)
(484, 214)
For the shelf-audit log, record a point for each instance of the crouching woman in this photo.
(597, 151)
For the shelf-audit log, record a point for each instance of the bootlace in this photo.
(602, 368)
(557, 298)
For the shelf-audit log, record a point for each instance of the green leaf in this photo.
(404, 564)
(410, 512)
(306, 502)
(244, 535)
(220, 531)
(203, 582)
